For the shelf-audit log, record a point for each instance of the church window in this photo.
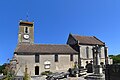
(71, 57)
(100, 54)
(36, 70)
(26, 30)
(56, 57)
(87, 52)
(36, 58)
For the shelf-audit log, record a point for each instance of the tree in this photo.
(116, 58)
(111, 55)
(8, 72)
(26, 75)
(2, 67)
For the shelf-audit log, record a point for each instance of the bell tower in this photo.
(26, 32)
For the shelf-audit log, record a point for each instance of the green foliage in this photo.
(2, 68)
(26, 76)
(116, 58)
(111, 55)
(8, 72)
(46, 73)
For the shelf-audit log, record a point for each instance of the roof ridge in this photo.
(49, 44)
(82, 35)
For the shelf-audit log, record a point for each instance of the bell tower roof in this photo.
(26, 23)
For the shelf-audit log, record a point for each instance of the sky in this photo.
(55, 19)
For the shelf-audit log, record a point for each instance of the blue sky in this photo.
(55, 19)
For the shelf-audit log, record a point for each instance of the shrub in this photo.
(46, 73)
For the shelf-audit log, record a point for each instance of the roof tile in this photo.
(44, 48)
(88, 40)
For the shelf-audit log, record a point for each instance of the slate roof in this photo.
(44, 48)
(90, 40)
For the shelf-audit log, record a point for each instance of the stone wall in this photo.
(63, 63)
(84, 57)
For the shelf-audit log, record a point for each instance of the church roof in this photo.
(44, 48)
(90, 40)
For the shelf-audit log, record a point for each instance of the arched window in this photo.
(36, 70)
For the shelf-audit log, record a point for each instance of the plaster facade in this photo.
(63, 63)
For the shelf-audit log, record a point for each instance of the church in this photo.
(53, 57)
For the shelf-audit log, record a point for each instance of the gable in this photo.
(71, 40)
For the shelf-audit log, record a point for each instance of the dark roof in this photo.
(44, 48)
(24, 23)
(90, 40)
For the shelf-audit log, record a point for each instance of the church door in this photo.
(36, 70)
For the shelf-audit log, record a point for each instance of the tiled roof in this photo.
(91, 40)
(44, 48)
